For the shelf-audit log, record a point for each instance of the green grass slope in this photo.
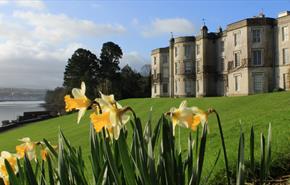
(236, 113)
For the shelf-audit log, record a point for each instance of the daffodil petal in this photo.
(113, 118)
(83, 88)
(5, 154)
(108, 98)
(77, 93)
(116, 131)
(81, 113)
(25, 140)
(125, 118)
(183, 104)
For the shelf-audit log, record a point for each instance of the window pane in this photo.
(222, 64)
(257, 57)
(165, 88)
(175, 51)
(197, 49)
(187, 86)
(164, 58)
(222, 46)
(258, 82)
(285, 33)
(285, 56)
(237, 83)
(237, 59)
(165, 73)
(256, 35)
(197, 66)
(187, 67)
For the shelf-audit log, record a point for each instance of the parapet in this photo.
(184, 39)
(160, 50)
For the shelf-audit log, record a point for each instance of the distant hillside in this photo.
(21, 94)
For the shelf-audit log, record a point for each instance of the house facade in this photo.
(250, 56)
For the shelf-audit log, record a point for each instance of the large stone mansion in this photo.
(250, 56)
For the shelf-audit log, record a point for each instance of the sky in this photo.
(38, 37)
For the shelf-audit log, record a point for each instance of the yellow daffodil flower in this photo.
(27, 147)
(101, 120)
(113, 116)
(189, 117)
(11, 158)
(44, 152)
(200, 117)
(79, 101)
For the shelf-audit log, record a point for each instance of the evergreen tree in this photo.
(82, 66)
(130, 83)
(110, 57)
(54, 101)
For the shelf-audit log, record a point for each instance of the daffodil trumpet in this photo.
(109, 116)
(189, 117)
(96, 107)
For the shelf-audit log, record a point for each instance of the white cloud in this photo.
(134, 60)
(35, 46)
(33, 65)
(135, 21)
(34, 4)
(57, 28)
(165, 26)
(3, 2)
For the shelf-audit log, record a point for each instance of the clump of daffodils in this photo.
(12, 160)
(189, 117)
(107, 113)
(27, 148)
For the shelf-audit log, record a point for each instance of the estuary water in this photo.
(10, 110)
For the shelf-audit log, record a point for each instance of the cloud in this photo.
(165, 26)
(135, 21)
(35, 4)
(35, 46)
(33, 65)
(57, 28)
(4, 2)
(134, 60)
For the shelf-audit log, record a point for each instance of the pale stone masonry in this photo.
(250, 56)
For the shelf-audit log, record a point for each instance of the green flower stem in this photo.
(223, 143)
(131, 110)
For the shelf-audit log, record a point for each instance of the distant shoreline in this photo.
(19, 100)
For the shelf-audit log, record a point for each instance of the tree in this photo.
(54, 101)
(146, 80)
(130, 83)
(82, 66)
(110, 57)
(145, 70)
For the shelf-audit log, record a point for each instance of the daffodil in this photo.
(113, 116)
(12, 160)
(27, 147)
(79, 101)
(200, 117)
(189, 117)
(44, 152)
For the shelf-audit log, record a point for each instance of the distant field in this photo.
(236, 113)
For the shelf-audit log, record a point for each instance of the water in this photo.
(11, 109)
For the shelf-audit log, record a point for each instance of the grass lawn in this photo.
(236, 113)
